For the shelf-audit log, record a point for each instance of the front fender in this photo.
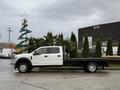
(23, 59)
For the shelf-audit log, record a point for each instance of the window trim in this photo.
(47, 50)
(53, 48)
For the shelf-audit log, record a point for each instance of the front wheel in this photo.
(91, 67)
(23, 67)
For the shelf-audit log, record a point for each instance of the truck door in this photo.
(54, 56)
(40, 57)
(48, 56)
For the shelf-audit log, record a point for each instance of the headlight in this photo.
(15, 58)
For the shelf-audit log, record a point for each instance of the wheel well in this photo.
(23, 60)
(86, 63)
(99, 64)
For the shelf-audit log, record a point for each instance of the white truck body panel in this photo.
(51, 59)
(44, 58)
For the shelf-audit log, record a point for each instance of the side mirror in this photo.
(35, 53)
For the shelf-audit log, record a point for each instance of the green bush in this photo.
(98, 51)
(118, 51)
(73, 46)
(109, 47)
(85, 52)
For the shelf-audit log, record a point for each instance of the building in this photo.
(102, 32)
(6, 49)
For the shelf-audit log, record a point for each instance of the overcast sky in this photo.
(55, 15)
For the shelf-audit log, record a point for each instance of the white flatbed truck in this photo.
(52, 56)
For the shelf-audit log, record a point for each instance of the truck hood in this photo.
(27, 55)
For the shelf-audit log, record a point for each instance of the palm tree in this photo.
(59, 40)
(50, 39)
(35, 43)
(39, 42)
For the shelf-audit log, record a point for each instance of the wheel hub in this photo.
(92, 68)
(23, 68)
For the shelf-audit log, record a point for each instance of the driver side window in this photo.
(41, 51)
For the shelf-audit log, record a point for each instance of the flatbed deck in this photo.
(84, 61)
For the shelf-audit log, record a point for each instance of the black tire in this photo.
(85, 69)
(91, 67)
(23, 67)
(30, 68)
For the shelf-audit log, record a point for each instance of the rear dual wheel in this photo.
(91, 67)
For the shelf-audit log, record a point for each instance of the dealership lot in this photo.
(51, 79)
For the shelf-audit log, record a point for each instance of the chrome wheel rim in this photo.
(92, 67)
(23, 68)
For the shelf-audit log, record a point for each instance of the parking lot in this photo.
(50, 79)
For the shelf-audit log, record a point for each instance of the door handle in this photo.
(45, 56)
(58, 55)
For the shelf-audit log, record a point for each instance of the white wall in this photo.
(89, 41)
(114, 50)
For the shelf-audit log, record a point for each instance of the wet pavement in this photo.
(48, 79)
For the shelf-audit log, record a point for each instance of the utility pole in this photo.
(9, 37)
(0, 36)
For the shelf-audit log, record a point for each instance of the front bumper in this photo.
(13, 63)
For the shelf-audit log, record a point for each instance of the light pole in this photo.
(9, 37)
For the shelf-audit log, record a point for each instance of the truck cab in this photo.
(43, 56)
(48, 55)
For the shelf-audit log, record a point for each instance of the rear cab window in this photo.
(53, 50)
(48, 50)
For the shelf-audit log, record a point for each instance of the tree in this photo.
(50, 39)
(31, 45)
(35, 43)
(109, 47)
(59, 40)
(23, 44)
(98, 52)
(73, 46)
(85, 52)
(67, 47)
(118, 51)
(39, 42)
